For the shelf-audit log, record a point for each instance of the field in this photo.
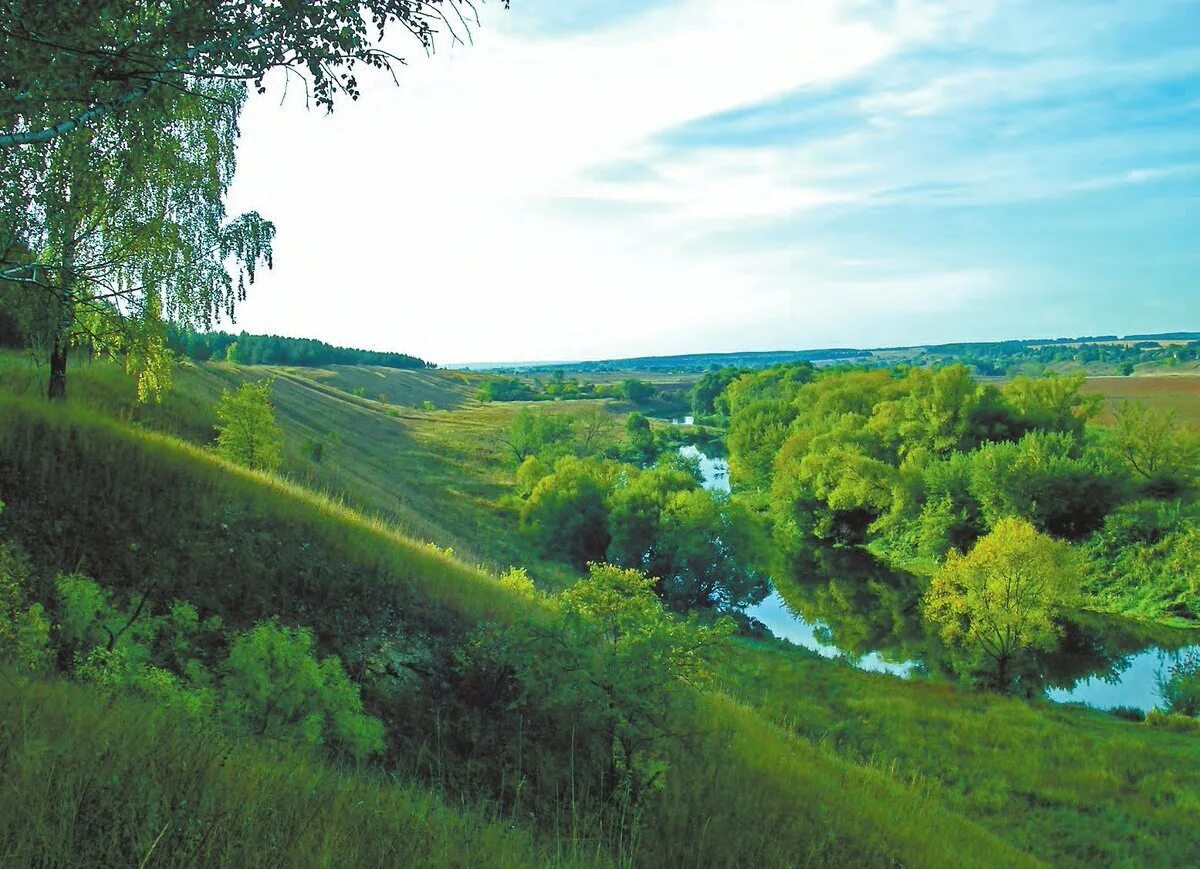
(1177, 392)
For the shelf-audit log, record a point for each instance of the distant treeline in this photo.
(247, 349)
(693, 362)
(1165, 336)
(1006, 357)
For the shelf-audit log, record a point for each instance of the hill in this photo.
(132, 507)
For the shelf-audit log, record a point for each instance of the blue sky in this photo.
(597, 179)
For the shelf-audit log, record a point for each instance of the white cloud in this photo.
(417, 218)
(480, 211)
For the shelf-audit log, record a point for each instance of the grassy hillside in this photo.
(132, 506)
(797, 761)
(92, 781)
(442, 388)
(387, 460)
(1068, 784)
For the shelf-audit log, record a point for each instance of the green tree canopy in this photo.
(1004, 597)
(123, 227)
(566, 515)
(67, 67)
(1156, 446)
(247, 433)
(541, 433)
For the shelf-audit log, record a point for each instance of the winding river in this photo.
(850, 606)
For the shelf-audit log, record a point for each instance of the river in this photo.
(852, 607)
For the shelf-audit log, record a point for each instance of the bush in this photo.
(274, 686)
(24, 628)
(1180, 687)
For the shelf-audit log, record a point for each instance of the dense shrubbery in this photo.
(1180, 687)
(1145, 560)
(923, 462)
(704, 549)
(266, 681)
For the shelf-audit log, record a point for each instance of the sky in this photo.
(594, 179)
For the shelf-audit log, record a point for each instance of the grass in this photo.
(797, 762)
(438, 476)
(1069, 785)
(135, 506)
(91, 781)
(1177, 392)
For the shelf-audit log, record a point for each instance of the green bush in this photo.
(1180, 687)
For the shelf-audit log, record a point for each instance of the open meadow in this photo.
(1177, 392)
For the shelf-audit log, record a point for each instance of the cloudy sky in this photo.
(601, 178)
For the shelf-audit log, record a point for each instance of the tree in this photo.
(1002, 599)
(705, 392)
(124, 228)
(506, 389)
(593, 430)
(116, 150)
(531, 472)
(620, 656)
(635, 514)
(24, 627)
(1156, 446)
(67, 68)
(1180, 687)
(707, 554)
(247, 433)
(636, 391)
(702, 548)
(274, 686)
(1045, 478)
(639, 439)
(1052, 403)
(537, 433)
(757, 430)
(567, 515)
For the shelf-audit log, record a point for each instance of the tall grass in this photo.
(86, 781)
(1067, 784)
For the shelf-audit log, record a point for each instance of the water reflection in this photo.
(843, 603)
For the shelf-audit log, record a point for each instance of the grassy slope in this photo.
(247, 546)
(89, 781)
(1068, 784)
(444, 389)
(401, 464)
(454, 468)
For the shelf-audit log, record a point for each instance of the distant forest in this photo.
(987, 358)
(247, 349)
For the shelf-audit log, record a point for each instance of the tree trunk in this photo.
(63, 315)
(58, 368)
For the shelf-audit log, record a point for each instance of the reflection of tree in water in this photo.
(1095, 645)
(861, 606)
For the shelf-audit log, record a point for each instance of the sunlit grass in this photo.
(91, 781)
(1064, 783)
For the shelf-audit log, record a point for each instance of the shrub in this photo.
(1180, 687)
(24, 628)
(274, 686)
